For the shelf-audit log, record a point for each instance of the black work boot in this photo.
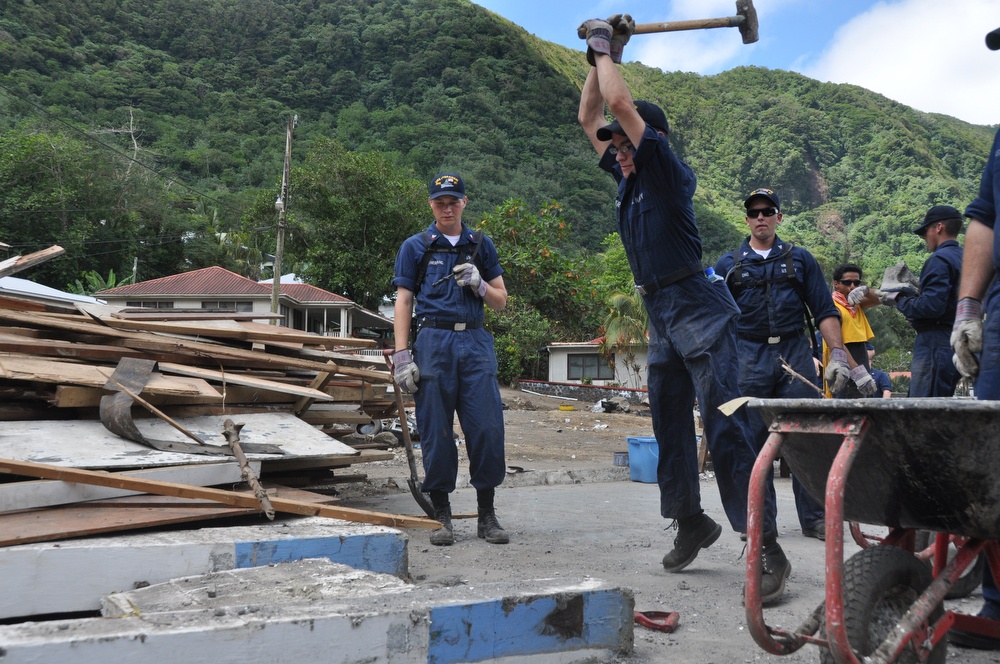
(443, 536)
(490, 529)
(693, 534)
(776, 570)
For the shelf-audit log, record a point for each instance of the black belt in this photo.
(673, 277)
(456, 326)
(776, 339)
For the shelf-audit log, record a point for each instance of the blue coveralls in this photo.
(985, 210)
(692, 335)
(458, 369)
(882, 382)
(771, 331)
(932, 315)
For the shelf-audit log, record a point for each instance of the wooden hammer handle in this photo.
(695, 24)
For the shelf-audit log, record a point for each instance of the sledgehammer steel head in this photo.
(992, 40)
(745, 20)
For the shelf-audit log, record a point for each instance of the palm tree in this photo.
(625, 330)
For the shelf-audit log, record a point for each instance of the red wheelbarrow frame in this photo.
(914, 626)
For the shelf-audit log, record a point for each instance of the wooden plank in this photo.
(122, 514)
(46, 493)
(240, 379)
(248, 500)
(318, 415)
(15, 343)
(287, 465)
(235, 398)
(18, 263)
(206, 351)
(20, 367)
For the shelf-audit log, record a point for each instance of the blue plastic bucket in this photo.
(643, 455)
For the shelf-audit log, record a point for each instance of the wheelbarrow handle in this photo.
(662, 621)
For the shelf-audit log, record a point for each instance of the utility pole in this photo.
(281, 206)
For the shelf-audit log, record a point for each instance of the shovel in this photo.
(414, 479)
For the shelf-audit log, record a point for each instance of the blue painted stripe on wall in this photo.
(523, 626)
(384, 552)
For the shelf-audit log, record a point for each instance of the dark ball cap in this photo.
(936, 214)
(763, 192)
(993, 40)
(651, 113)
(447, 184)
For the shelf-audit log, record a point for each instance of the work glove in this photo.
(864, 381)
(466, 274)
(597, 32)
(623, 26)
(837, 370)
(967, 336)
(405, 371)
(857, 294)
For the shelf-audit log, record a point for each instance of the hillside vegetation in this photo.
(152, 133)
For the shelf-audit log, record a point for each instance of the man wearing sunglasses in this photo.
(778, 287)
(692, 321)
(855, 333)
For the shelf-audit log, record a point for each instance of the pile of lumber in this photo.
(296, 393)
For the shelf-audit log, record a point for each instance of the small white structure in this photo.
(582, 362)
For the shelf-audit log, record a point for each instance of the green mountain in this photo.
(189, 102)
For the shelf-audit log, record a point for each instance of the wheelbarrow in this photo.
(906, 464)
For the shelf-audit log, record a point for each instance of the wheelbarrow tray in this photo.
(930, 464)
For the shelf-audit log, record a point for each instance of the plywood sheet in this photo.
(87, 444)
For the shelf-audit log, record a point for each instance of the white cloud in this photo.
(922, 54)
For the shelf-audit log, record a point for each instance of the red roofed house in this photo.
(301, 306)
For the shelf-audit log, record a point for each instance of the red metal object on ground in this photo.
(662, 621)
(913, 468)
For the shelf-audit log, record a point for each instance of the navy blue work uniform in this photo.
(882, 382)
(458, 366)
(932, 315)
(771, 330)
(692, 334)
(984, 208)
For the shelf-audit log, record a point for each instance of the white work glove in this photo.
(864, 381)
(466, 274)
(856, 295)
(837, 371)
(888, 299)
(623, 27)
(405, 371)
(967, 336)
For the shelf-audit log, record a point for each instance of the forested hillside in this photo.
(153, 131)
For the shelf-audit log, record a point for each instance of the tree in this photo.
(625, 329)
(355, 211)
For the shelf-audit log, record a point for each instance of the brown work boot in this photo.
(490, 529)
(693, 534)
(443, 536)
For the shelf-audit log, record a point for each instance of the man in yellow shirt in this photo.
(856, 332)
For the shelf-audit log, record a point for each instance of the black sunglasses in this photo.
(850, 282)
(767, 212)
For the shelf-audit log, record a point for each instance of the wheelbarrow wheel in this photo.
(880, 585)
(971, 578)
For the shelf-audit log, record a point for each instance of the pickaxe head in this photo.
(748, 27)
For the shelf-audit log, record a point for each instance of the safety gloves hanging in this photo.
(967, 336)
(467, 274)
(837, 370)
(864, 381)
(405, 371)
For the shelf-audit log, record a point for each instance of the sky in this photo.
(927, 54)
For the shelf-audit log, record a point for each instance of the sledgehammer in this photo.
(745, 20)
